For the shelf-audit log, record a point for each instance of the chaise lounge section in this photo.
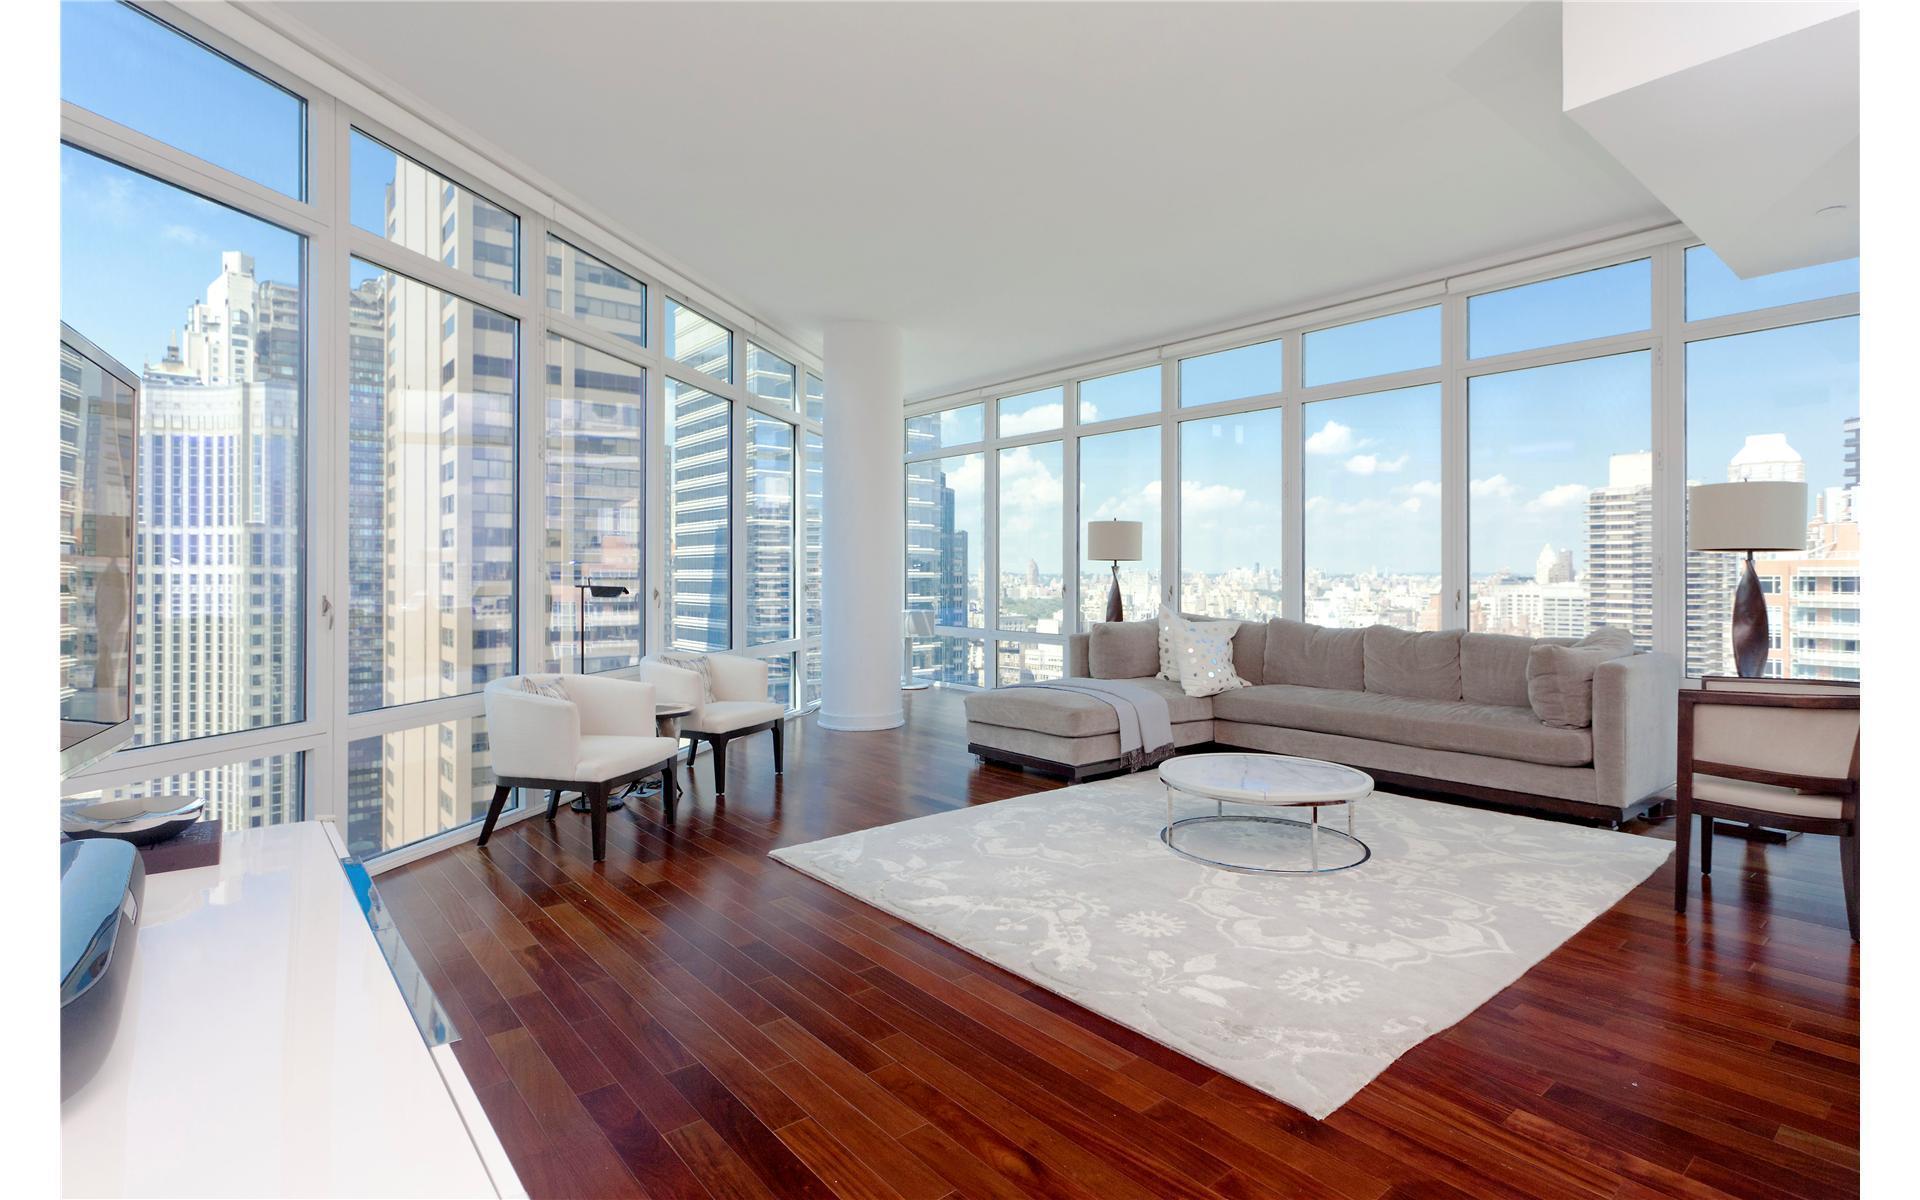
(1446, 711)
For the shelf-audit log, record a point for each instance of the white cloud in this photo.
(1370, 464)
(1561, 496)
(1495, 487)
(1411, 504)
(1207, 499)
(1034, 420)
(1332, 438)
(186, 235)
(1426, 489)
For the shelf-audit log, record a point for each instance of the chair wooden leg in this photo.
(597, 797)
(779, 747)
(669, 790)
(553, 804)
(1682, 853)
(493, 812)
(693, 748)
(1850, 877)
(719, 766)
(1706, 845)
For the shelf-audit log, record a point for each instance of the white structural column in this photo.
(863, 544)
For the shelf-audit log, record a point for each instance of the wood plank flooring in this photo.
(691, 1019)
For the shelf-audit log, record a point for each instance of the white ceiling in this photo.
(1019, 186)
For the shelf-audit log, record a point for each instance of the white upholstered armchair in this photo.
(729, 700)
(590, 734)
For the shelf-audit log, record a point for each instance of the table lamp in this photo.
(914, 623)
(1745, 517)
(1115, 542)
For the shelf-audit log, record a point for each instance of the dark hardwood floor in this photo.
(689, 1018)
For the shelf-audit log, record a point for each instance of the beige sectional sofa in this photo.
(1445, 711)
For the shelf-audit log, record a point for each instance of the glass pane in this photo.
(1231, 374)
(595, 452)
(239, 795)
(769, 376)
(943, 659)
(97, 566)
(415, 783)
(1713, 290)
(1782, 404)
(811, 682)
(1033, 412)
(1028, 662)
(1373, 509)
(699, 480)
(430, 504)
(1560, 498)
(780, 681)
(396, 198)
(218, 610)
(704, 345)
(947, 538)
(593, 293)
(128, 67)
(1033, 555)
(1120, 481)
(1572, 308)
(816, 398)
(1403, 341)
(1230, 499)
(769, 530)
(950, 427)
(1128, 394)
(813, 507)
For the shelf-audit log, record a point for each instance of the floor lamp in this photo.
(914, 623)
(603, 591)
(1745, 517)
(1114, 542)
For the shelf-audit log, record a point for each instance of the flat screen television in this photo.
(99, 407)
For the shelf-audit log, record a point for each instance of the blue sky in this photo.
(130, 68)
(134, 253)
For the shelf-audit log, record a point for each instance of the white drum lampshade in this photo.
(1113, 541)
(1755, 515)
(1759, 514)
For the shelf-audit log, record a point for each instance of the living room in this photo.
(963, 599)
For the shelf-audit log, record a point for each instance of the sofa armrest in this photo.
(530, 736)
(1077, 655)
(611, 705)
(1636, 722)
(675, 684)
(736, 677)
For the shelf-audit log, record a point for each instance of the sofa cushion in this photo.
(1311, 656)
(1202, 653)
(1123, 649)
(1421, 666)
(1072, 714)
(1493, 669)
(1560, 678)
(1497, 731)
(1250, 651)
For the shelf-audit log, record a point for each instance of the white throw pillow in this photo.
(1203, 653)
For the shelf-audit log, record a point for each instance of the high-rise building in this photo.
(1620, 547)
(218, 608)
(1850, 451)
(1553, 566)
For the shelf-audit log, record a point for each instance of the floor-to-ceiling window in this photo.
(1505, 451)
(392, 414)
(699, 518)
(1778, 402)
(595, 455)
(203, 289)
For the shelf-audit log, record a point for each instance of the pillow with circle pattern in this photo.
(1203, 653)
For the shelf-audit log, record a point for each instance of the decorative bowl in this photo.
(142, 821)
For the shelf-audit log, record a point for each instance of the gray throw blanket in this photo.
(1146, 727)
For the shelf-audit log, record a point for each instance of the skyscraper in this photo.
(218, 625)
(1620, 547)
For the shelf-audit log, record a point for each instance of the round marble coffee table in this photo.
(1268, 781)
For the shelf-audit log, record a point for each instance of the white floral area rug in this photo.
(1305, 987)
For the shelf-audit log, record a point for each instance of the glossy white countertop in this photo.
(265, 1050)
